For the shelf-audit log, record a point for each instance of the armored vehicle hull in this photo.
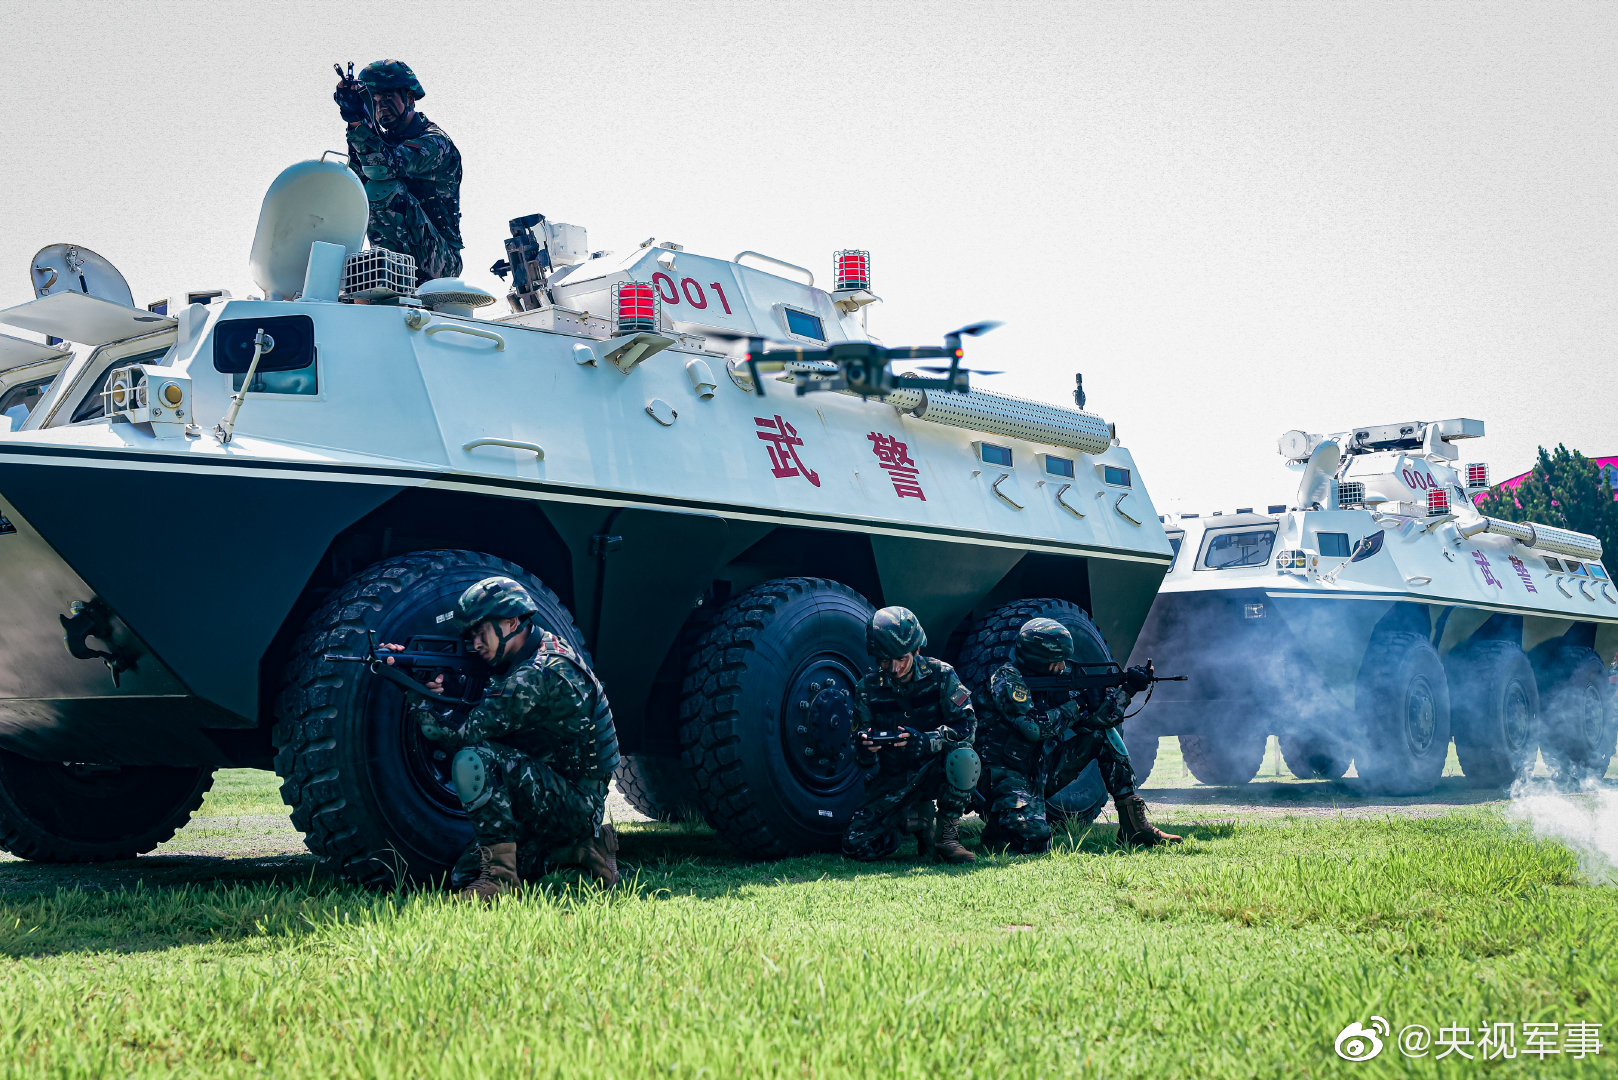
(714, 551)
(1378, 619)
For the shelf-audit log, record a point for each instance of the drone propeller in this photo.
(974, 329)
(963, 371)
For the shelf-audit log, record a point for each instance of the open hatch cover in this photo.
(88, 320)
(16, 352)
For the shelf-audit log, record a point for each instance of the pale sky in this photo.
(1234, 218)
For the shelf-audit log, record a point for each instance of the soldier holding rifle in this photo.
(1042, 725)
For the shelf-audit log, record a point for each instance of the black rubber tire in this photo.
(1494, 711)
(658, 786)
(1401, 703)
(1315, 756)
(51, 811)
(1227, 759)
(1578, 727)
(743, 682)
(992, 640)
(369, 794)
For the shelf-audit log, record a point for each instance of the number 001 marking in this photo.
(670, 295)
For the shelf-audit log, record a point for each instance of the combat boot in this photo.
(497, 875)
(599, 857)
(946, 844)
(918, 822)
(1133, 828)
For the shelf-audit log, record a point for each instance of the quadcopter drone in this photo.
(859, 367)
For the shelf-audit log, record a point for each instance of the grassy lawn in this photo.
(1241, 953)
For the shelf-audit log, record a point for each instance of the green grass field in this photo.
(1241, 953)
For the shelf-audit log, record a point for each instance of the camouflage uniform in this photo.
(413, 181)
(899, 794)
(545, 739)
(1020, 773)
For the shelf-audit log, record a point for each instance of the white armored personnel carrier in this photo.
(1376, 617)
(208, 496)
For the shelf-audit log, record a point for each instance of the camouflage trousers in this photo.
(1016, 815)
(399, 223)
(533, 805)
(1105, 748)
(896, 803)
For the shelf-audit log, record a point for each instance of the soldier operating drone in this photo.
(913, 722)
(533, 759)
(411, 169)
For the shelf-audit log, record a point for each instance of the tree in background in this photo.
(1564, 489)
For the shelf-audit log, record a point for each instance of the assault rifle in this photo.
(426, 657)
(1084, 681)
(354, 91)
(887, 737)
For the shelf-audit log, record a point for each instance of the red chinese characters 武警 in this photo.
(894, 457)
(783, 441)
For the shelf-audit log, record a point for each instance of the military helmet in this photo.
(390, 75)
(1044, 641)
(894, 632)
(494, 598)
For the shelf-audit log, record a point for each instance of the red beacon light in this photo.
(634, 307)
(1477, 475)
(1437, 502)
(851, 270)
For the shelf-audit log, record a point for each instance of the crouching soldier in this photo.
(1033, 747)
(913, 721)
(533, 759)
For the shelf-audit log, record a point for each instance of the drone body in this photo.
(864, 367)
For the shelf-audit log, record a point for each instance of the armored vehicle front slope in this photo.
(717, 552)
(1377, 617)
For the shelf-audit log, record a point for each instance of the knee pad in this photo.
(469, 774)
(961, 769)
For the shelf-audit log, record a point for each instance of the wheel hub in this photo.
(1421, 716)
(818, 717)
(1592, 716)
(428, 763)
(1517, 717)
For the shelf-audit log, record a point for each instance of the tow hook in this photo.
(90, 619)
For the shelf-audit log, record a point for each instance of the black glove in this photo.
(351, 102)
(1137, 679)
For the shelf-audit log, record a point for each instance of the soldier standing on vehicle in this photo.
(1034, 748)
(411, 169)
(913, 721)
(533, 759)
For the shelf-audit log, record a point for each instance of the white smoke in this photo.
(1587, 823)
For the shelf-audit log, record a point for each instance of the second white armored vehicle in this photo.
(208, 497)
(1378, 616)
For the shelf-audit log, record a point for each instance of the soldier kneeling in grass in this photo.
(913, 722)
(533, 759)
(1033, 748)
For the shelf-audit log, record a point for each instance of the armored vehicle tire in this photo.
(1577, 721)
(768, 713)
(1315, 756)
(369, 793)
(52, 811)
(1494, 710)
(1081, 801)
(658, 786)
(1401, 702)
(1229, 758)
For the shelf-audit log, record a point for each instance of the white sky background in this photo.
(1233, 218)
